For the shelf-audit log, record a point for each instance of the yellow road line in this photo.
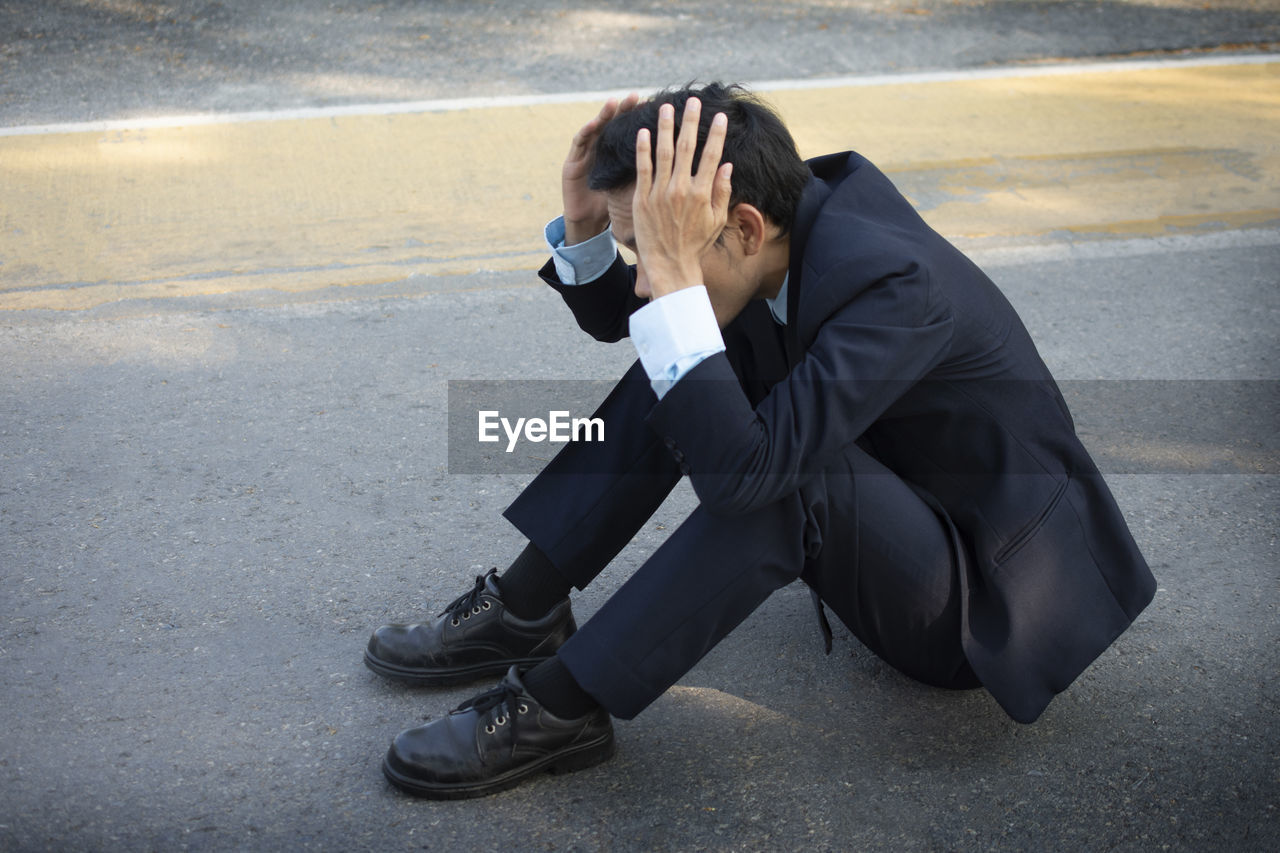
(295, 205)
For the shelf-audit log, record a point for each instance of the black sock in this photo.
(555, 689)
(531, 585)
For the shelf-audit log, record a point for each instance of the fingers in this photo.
(644, 165)
(612, 108)
(627, 104)
(665, 165)
(674, 160)
(665, 159)
(722, 189)
(682, 167)
(711, 152)
(587, 135)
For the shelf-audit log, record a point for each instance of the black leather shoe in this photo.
(492, 742)
(475, 637)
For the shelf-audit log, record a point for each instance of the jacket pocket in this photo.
(1023, 536)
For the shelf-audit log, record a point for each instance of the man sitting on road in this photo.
(856, 405)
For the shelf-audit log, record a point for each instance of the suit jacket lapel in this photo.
(811, 201)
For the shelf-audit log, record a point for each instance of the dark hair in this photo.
(767, 171)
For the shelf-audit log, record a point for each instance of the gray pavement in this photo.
(110, 59)
(203, 513)
(205, 505)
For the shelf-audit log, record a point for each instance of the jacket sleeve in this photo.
(865, 356)
(601, 307)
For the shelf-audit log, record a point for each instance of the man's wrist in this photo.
(582, 262)
(668, 277)
(582, 230)
(674, 334)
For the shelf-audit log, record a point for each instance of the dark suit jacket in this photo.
(901, 344)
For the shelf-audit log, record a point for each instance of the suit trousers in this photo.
(881, 558)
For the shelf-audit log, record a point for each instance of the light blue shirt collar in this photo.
(778, 304)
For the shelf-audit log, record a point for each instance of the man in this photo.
(856, 406)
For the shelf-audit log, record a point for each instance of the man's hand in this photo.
(585, 212)
(678, 215)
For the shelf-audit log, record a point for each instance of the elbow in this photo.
(606, 327)
(740, 477)
(605, 335)
(729, 495)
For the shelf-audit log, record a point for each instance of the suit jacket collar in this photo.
(826, 172)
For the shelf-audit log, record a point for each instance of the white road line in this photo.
(456, 104)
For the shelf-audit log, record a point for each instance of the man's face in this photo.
(729, 292)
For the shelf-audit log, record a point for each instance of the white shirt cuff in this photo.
(674, 334)
(583, 262)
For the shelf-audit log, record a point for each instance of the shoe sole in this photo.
(444, 676)
(579, 757)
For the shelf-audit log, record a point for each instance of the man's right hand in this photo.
(585, 211)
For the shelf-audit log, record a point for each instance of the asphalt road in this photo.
(101, 59)
(205, 512)
(206, 503)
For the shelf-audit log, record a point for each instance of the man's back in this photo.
(975, 422)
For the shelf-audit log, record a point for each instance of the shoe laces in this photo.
(504, 703)
(469, 603)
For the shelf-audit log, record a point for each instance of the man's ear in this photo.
(749, 224)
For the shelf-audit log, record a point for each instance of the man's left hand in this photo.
(679, 213)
